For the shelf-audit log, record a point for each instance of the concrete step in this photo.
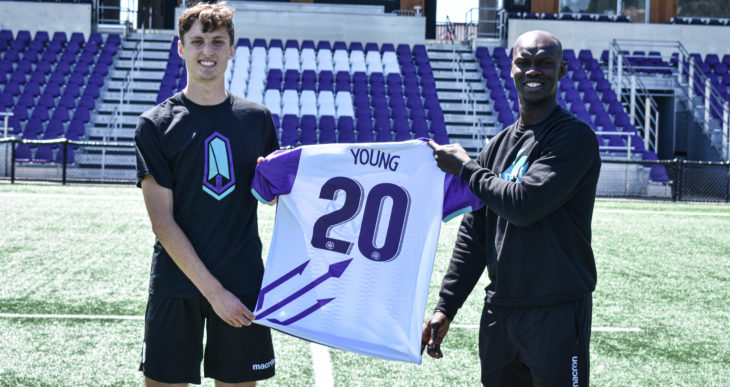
(471, 131)
(471, 76)
(151, 46)
(151, 36)
(448, 65)
(138, 75)
(136, 109)
(447, 47)
(145, 65)
(458, 86)
(139, 86)
(103, 119)
(466, 109)
(445, 96)
(463, 119)
(146, 55)
(472, 146)
(112, 97)
(121, 134)
(440, 55)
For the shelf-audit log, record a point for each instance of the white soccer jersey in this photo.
(354, 242)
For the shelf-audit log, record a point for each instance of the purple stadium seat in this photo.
(308, 126)
(355, 46)
(33, 128)
(22, 153)
(345, 130)
(76, 129)
(291, 43)
(327, 130)
(324, 45)
(243, 42)
(69, 156)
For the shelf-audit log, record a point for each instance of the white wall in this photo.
(49, 17)
(349, 23)
(597, 36)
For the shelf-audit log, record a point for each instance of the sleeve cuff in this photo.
(468, 169)
(440, 308)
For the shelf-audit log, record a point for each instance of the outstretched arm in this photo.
(158, 201)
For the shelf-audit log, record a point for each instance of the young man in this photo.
(538, 179)
(196, 155)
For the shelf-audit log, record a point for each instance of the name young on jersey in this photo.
(376, 158)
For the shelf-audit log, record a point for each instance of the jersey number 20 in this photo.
(371, 218)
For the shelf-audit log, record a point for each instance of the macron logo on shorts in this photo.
(574, 371)
(263, 366)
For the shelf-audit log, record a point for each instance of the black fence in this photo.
(63, 161)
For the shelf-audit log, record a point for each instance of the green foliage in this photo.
(663, 268)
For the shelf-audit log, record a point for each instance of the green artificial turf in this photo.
(663, 268)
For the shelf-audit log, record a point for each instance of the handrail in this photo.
(643, 112)
(114, 124)
(6, 116)
(500, 23)
(688, 79)
(467, 92)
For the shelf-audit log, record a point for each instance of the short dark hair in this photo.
(211, 16)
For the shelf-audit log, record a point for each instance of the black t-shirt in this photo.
(207, 156)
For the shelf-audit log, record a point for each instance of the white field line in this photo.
(323, 375)
(72, 316)
(319, 352)
(26, 195)
(593, 329)
(680, 213)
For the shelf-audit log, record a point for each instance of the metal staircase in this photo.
(130, 89)
(463, 95)
(693, 92)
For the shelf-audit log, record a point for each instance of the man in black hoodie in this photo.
(538, 180)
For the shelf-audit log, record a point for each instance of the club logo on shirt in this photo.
(218, 177)
(518, 168)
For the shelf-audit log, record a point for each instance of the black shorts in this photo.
(173, 343)
(540, 346)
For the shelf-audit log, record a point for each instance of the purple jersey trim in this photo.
(276, 174)
(458, 198)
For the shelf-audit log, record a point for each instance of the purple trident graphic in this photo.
(218, 178)
(335, 270)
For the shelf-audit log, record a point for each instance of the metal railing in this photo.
(631, 91)
(676, 180)
(485, 26)
(100, 11)
(709, 109)
(468, 99)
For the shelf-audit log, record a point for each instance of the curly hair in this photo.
(211, 16)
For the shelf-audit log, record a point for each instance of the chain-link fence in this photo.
(63, 161)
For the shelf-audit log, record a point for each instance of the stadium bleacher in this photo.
(584, 91)
(51, 86)
(327, 93)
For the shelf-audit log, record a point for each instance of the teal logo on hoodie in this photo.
(517, 169)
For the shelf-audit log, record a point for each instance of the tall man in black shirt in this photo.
(196, 155)
(538, 179)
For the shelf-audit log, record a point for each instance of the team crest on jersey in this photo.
(218, 177)
(517, 169)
